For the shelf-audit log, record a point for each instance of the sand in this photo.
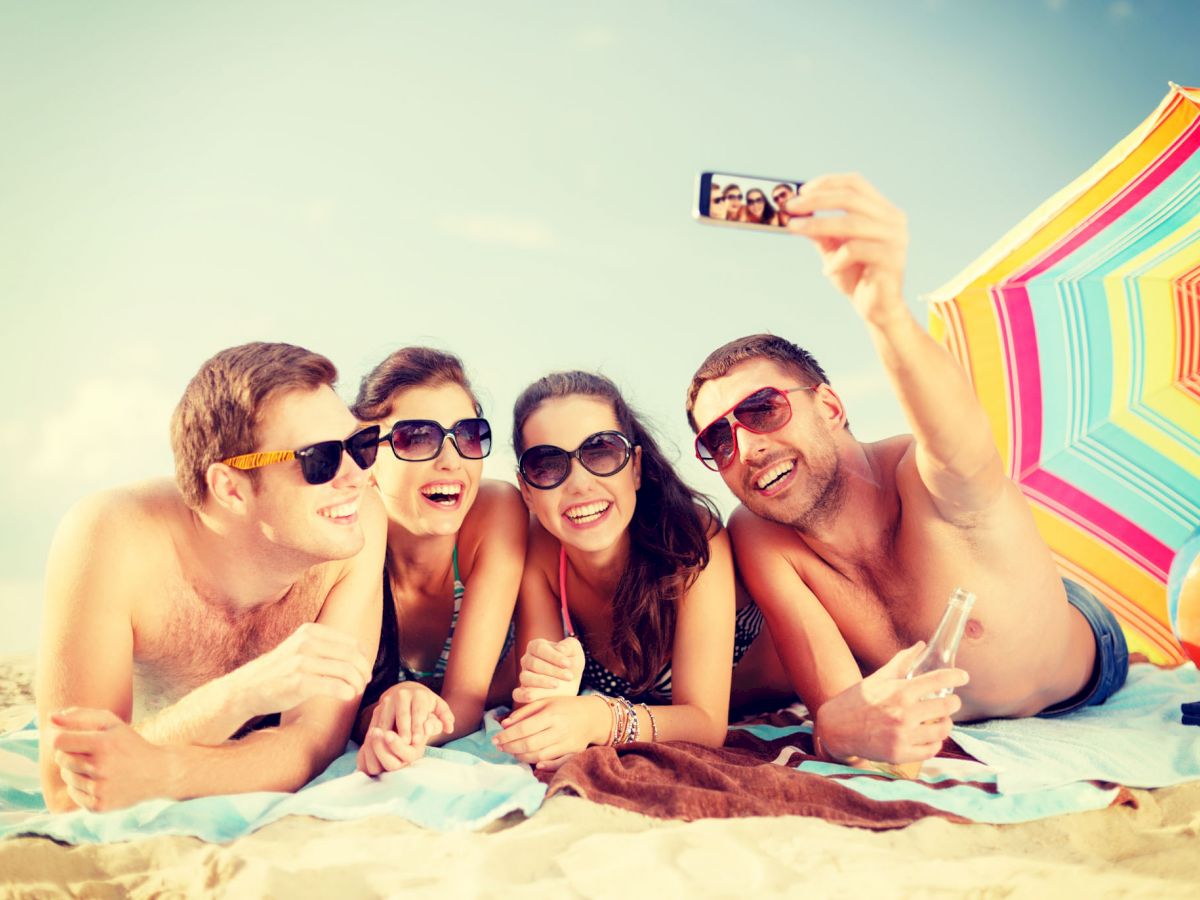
(575, 848)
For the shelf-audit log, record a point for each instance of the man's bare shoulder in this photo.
(756, 538)
(117, 517)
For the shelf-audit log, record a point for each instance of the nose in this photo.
(749, 444)
(578, 478)
(349, 475)
(448, 457)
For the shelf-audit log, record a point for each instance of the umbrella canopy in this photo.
(1080, 331)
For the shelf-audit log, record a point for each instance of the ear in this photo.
(229, 488)
(637, 467)
(830, 407)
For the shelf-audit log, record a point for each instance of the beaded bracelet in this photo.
(631, 732)
(653, 724)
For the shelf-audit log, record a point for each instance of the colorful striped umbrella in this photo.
(1080, 330)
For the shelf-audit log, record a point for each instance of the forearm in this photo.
(682, 722)
(468, 716)
(208, 715)
(946, 418)
(282, 759)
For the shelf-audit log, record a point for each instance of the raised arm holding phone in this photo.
(852, 548)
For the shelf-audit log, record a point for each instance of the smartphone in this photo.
(744, 201)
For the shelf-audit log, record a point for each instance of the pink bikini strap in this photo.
(568, 628)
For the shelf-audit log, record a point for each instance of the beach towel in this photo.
(997, 772)
(464, 785)
(1136, 738)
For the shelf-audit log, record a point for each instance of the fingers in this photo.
(546, 682)
(445, 715)
(81, 784)
(424, 723)
(847, 227)
(81, 796)
(545, 658)
(572, 649)
(403, 722)
(933, 683)
(316, 641)
(79, 763)
(520, 715)
(934, 732)
(366, 760)
(554, 763)
(79, 718)
(523, 695)
(521, 737)
(76, 741)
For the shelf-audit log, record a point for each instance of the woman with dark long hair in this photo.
(455, 550)
(628, 587)
(758, 209)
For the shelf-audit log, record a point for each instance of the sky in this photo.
(512, 182)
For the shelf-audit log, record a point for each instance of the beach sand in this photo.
(575, 848)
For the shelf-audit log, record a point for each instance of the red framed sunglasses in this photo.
(767, 409)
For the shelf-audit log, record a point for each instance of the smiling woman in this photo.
(648, 572)
(455, 548)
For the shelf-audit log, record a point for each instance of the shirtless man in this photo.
(195, 608)
(852, 549)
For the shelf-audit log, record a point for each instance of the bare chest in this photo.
(191, 642)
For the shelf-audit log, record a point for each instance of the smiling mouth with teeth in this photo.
(587, 512)
(339, 512)
(774, 474)
(443, 494)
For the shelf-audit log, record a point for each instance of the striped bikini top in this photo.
(439, 668)
(748, 622)
(389, 667)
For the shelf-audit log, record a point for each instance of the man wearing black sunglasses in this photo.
(241, 601)
(851, 549)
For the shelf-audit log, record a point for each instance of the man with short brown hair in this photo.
(200, 610)
(851, 549)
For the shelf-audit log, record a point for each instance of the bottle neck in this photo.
(945, 641)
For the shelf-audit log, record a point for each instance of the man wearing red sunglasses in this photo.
(180, 615)
(852, 548)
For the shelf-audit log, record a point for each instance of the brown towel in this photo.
(680, 780)
(749, 776)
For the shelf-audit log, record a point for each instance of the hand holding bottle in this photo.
(889, 717)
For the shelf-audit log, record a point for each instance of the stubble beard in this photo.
(824, 506)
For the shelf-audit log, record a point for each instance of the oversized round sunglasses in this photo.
(319, 463)
(416, 440)
(603, 453)
(767, 409)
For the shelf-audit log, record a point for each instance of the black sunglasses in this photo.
(416, 440)
(319, 463)
(603, 453)
(733, 196)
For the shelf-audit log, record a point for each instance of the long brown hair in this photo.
(668, 535)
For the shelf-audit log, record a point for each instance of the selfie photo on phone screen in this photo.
(743, 200)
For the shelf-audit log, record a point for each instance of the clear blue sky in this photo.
(511, 181)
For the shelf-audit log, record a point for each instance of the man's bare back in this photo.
(852, 550)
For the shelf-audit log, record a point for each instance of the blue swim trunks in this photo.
(1112, 654)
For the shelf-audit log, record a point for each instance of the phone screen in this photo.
(746, 201)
